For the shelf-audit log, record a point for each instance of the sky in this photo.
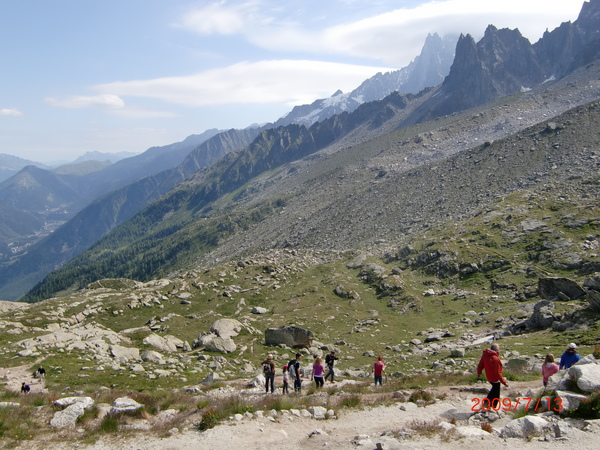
(126, 75)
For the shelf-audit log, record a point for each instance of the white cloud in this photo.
(276, 81)
(10, 112)
(394, 38)
(218, 18)
(77, 102)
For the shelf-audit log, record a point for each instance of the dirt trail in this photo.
(14, 376)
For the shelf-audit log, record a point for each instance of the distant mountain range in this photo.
(426, 70)
(237, 182)
(10, 165)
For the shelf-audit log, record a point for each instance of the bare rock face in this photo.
(592, 295)
(292, 336)
(559, 289)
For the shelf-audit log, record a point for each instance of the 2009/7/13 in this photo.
(508, 404)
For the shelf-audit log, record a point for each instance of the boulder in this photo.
(542, 316)
(211, 378)
(226, 328)
(219, 344)
(592, 282)
(153, 357)
(525, 427)
(87, 402)
(518, 365)
(587, 376)
(457, 353)
(124, 354)
(67, 418)
(160, 343)
(593, 298)
(124, 405)
(551, 288)
(318, 412)
(292, 336)
(569, 400)
(259, 310)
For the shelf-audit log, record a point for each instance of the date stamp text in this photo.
(508, 404)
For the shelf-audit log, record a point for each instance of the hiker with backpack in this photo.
(269, 372)
(330, 360)
(294, 371)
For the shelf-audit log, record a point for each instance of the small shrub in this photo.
(110, 424)
(486, 426)
(210, 418)
(596, 352)
(278, 403)
(588, 409)
(351, 401)
(202, 403)
(427, 428)
(421, 394)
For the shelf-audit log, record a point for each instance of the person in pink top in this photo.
(378, 369)
(549, 368)
(317, 373)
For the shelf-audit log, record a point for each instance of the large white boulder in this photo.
(568, 400)
(160, 343)
(87, 402)
(226, 328)
(587, 376)
(218, 344)
(524, 427)
(124, 405)
(67, 418)
(124, 354)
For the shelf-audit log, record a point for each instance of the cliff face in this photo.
(504, 62)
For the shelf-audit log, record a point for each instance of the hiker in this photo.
(330, 360)
(294, 371)
(378, 369)
(269, 372)
(549, 368)
(490, 361)
(25, 388)
(42, 373)
(569, 357)
(286, 379)
(317, 373)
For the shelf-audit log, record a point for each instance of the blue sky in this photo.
(125, 75)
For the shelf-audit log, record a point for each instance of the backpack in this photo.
(267, 368)
(292, 368)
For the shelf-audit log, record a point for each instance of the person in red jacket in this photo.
(490, 362)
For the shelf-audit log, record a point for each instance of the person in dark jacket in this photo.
(269, 372)
(330, 360)
(490, 362)
(569, 357)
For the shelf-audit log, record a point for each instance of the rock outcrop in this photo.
(292, 336)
